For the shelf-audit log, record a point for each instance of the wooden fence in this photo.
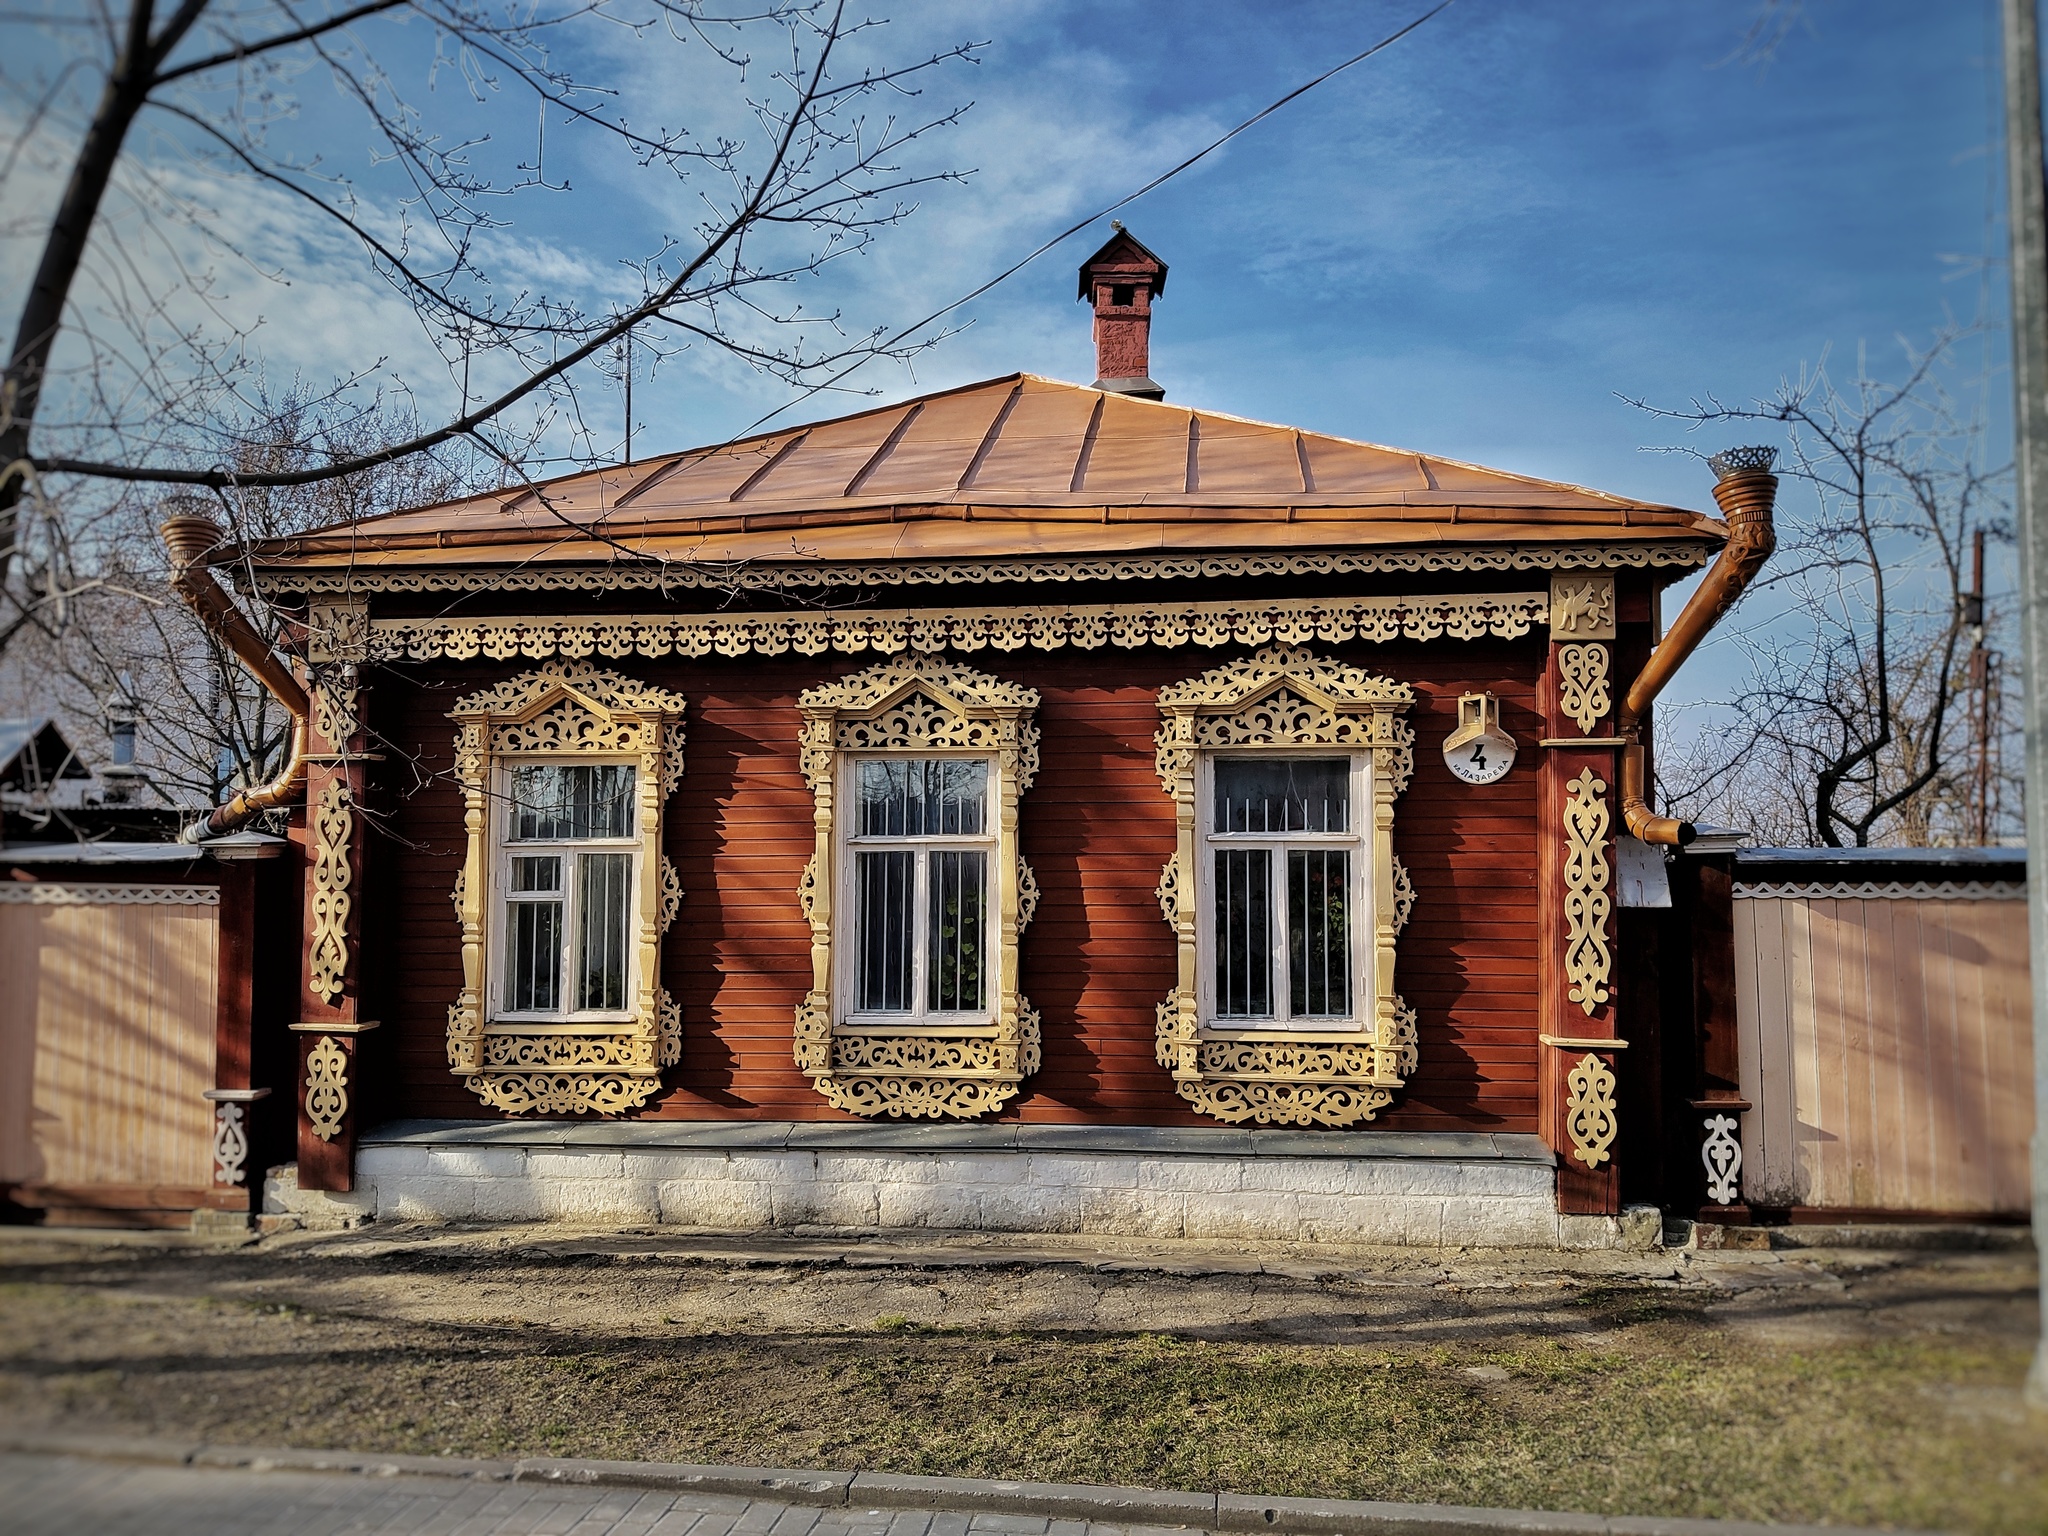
(108, 1002)
(1886, 1046)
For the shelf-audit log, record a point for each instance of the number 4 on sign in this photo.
(1479, 751)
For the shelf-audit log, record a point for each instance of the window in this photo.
(921, 848)
(1285, 901)
(567, 874)
(916, 892)
(564, 892)
(1283, 892)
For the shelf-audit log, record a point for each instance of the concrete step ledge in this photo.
(1230, 1512)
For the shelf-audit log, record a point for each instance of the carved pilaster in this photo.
(329, 1093)
(1578, 819)
(331, 834)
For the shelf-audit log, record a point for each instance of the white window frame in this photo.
(504, 849)
(918, 1018)
(1357, 841)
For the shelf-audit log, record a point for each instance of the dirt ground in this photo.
(1844, 1386)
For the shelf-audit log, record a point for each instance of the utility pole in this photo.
(1980, 685)
(2027, 220)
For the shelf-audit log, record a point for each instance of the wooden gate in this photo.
(1886, 1046)
(108, 1008)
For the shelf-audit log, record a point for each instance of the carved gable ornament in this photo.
(1287, 697)
(917, 704)
(566, 710)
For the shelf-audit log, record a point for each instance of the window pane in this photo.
(534, 930)
(956, 942)
(1283, 794)
(1244, 951)
(601, 919)
(1319, 932)
(556, 801)
(541, 874)
(884, 885)
(923, 797)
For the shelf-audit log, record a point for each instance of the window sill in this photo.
(970, 1024)
(583, 1026)
(1318, 1031)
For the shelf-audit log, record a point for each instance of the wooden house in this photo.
(1024, 806)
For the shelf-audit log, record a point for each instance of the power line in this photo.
(1123, 202)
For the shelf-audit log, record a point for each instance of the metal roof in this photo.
(36, 743)
(1015, 466)
(101, 853)
(1856, 858)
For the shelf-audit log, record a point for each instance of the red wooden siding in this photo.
(1096, 829)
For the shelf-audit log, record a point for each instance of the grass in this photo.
(1649, 1415)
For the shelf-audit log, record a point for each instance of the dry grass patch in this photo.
(1647, 1412)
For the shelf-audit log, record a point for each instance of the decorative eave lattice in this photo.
(574, 709)
(919, 703)
(1287, 697)
(657, 574)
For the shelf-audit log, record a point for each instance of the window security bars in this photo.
(567, 890)
(921, 847)
(1292, 816)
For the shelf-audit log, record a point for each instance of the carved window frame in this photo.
(1286, 699)
(565, 710)
(923, 706)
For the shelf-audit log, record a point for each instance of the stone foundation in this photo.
(1411, 1189)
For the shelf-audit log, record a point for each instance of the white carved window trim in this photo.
(561, 712)
(1287, 700)
(916, 706)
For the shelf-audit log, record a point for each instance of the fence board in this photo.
(106, 1044)
(1887, 1048)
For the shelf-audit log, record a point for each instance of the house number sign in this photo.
(1479, 751)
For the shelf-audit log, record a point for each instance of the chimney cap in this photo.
(1124, 256)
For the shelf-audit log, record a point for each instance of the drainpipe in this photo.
(190, 539)
(1747, 492)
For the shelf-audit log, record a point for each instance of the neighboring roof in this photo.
(1753, 864)
(1019, 466)
(33, 753)
(101, 853)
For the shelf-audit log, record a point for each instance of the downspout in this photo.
(190, 539)
(1747, 492)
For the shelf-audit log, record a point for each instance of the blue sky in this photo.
(1468, 245)
(1472, 243)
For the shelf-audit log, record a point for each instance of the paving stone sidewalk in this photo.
(69, 1494)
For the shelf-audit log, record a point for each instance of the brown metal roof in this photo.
(1014, 466)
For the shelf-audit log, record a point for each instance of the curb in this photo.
(1222, 1512)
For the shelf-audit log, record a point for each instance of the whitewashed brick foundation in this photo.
(1417, 1189)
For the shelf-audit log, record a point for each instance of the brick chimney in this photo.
(1121, 280)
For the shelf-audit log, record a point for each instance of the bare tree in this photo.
(1854, 725)
(127, 360)
(118, 642)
